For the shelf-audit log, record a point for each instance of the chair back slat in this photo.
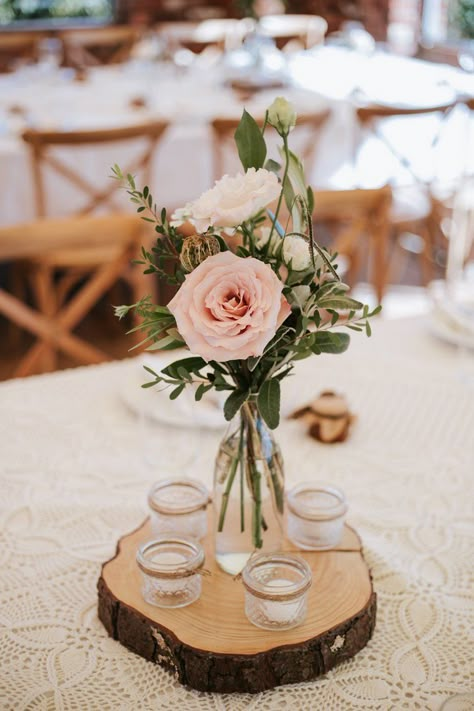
(43, 143)
(223, 130)
(100, 45)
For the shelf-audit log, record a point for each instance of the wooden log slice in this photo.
(211, 646)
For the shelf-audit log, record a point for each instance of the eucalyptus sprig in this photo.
(163, 257)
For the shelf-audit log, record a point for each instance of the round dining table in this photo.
(194, 90)
(79, 454)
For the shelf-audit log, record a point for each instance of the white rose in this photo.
(233, 199)
(296, 253)
(282, 115)
(264, 236)
(299, 295)
(179, 217)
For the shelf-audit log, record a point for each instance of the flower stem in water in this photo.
(226, 494)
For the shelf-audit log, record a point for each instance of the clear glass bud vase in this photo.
(249, 491)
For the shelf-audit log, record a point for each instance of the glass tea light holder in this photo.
(316, 514)
(276, 590)
(179, 506)
(170, 570)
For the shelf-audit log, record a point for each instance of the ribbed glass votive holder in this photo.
(179, 506)
(276, 590)
(316, 514)
(170, 571)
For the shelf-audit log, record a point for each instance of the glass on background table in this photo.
(454, 297)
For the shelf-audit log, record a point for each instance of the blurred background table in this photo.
(137, 91)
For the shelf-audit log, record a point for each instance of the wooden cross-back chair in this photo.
(221, 33)
(18, 46)
(308, 30)
(42, 145)
(371, 116)
(73, 264)
(411, 211)
(362, 222)
(223, 130)
(36, 240)
(99, 45)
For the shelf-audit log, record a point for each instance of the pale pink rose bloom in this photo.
(229, 307)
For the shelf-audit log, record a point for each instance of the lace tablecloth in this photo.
(75, 468)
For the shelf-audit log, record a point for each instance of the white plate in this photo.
(445, 332)
(154, 403)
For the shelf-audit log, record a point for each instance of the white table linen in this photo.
(189, 99)
(75, 468)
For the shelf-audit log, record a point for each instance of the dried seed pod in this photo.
(197, 248)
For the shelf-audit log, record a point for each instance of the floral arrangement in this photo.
(255, 292)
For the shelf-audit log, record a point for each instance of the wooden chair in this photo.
(120, 234)
(411, 205)
(18, 47)
(198, 36)
(308, 30)
(99, 45)
(74, 264)
(223, 130)
(361, 221)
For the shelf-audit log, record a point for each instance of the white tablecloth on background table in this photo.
(75, 468)
(183, 168)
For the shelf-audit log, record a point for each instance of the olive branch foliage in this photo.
(307, 331)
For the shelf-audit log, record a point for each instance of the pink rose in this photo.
(229, 307)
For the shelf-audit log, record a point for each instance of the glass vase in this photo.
(248, 491)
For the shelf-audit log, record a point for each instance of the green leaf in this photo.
(222, 243)
(310, 199)
(242, 252)
(162, 310)
(184, 375)
(303, 354)
(162, 343)
(327, 342)
(177, 391)
(296, 179)
(339, 303)
(250, 143)
(272, 166)
(201, 389)
(150, 384)
(190, 365)
(252, 362)
(268, 401)
(234, 402)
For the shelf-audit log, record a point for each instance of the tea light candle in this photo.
(316, 514)
(170, 571)
(276, 588)
(179, 506)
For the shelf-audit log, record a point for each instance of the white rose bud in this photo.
(282, 116)
(264, 236)
(299, 295)
(296, 253)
